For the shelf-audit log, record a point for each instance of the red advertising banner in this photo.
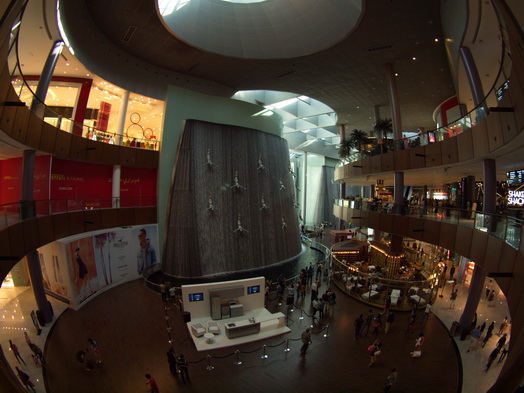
(103, 116)
(138, 187)
(11, 181)
(78, 186)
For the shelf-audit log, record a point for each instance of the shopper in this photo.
(503, 326)
(493, 355)
(453, 298)
(504, 352)
(377, 324)
(358, 325)
(368, 318)
(25, 379)
(451, 272)
(15, 351)
(374, 349)
(314, 290)
(171, 360)
(419, 341)
(502, 341)
(491, 297)
(153, 387)
(306, 340)
(489, 333)
(475, 335)
(38, 352)
(96, 350)
(427, 310)
(391, 379)
(183, 367)
(390, 318)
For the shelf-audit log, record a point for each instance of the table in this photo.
(369, 295)
(209, 337)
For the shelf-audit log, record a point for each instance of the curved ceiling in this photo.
(268, 29)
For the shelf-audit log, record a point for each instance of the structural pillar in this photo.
(475, 83)
(490, 194)
(395, 106)
(122, 118)
(400, 208)
(37, 105)
(117, 170)
(304, 194)
(476, 289)
(341, 223)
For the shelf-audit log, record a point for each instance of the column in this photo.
(116, 186)
(395, 105)
(27, 204)
(476, 289)
(342, 195)
(376, 112)
(399, 193)
(122, 118)
(304, 194)
(37, 105)
(490, 194)
(400, 208)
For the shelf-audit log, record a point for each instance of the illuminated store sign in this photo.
(515, 177)
(516, 198)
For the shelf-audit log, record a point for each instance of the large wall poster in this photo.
(113, 252)
(55, 272)
(79, 267)
(146, 244)
(82, 268)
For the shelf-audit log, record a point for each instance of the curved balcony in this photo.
(492, 128)
(56, 219)
(26, 130)
(494, 242)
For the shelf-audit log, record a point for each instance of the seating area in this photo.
(212, 327)
(197, 329)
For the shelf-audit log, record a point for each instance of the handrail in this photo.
(478, 114)
(506, 228)
(88, 132)
(11, 213)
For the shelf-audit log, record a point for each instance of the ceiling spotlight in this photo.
(414, 58)
(436, 40)
(396, 73)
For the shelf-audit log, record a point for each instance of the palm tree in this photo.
(358, 138)
(383, 127)
(345, 147)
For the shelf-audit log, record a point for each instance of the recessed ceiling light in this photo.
(414, 58)
(396, 73)
(436, 40)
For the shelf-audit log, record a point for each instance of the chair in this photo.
(212, 327)
(197, 329)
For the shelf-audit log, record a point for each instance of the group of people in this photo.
(90, 356)
(36, 355)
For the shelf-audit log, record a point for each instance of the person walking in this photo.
(314, 290)
(489, 333)
(504, 352)
(453, 298)
(475, 335)
(183, 367)
(38, 352)
(16, 352)
(374, 350)
(503, 326)
(492, 356)
(391, 379)
(491, 297)
(171, 360)
(29, 342)
(368, 318)
(306, 340)
(377, 324)
(358, 325)
(96, 350)
(390, 318)
(419, 341)
(153, 387)
(26, 381)
(502, 341)
(427, 310)
(451, 272)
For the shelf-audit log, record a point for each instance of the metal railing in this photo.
(505, 228)
(12, 213)
(58, 120)
(478, 114)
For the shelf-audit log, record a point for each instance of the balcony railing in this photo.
(145, 139)
(13, 213)
(506, 228)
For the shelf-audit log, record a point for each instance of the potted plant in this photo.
(358, 138)
(345, 147)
